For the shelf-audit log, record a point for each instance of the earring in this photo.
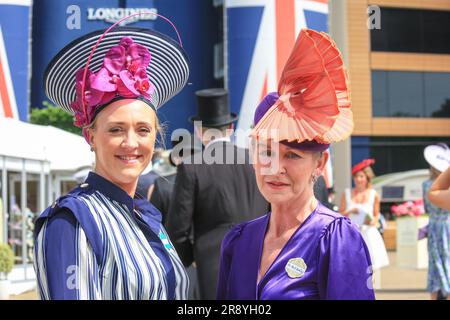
(92, 148)
(313, 178)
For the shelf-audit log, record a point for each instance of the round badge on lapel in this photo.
(296, 267)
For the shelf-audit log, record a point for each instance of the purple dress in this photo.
(325, 258)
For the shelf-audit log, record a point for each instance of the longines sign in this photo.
(112, 15)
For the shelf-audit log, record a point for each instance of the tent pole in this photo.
(23, 205)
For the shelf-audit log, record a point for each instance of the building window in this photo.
(409, 30)
(396, 154)
(410, 94)
(393, 154)
(437, 98)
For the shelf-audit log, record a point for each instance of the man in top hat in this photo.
(213, 194)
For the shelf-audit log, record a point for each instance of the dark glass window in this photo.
(403, 30)
(379, 94)
(437, 97)
(395, 154)
(405, 94)
(409, 30)
(436, 31)
(410, 94)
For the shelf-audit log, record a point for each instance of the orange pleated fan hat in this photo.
(312, 105)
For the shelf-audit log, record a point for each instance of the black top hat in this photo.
(213, 108)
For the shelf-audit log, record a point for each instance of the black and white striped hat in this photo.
(168, 70)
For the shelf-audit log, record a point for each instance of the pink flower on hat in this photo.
(123, 74)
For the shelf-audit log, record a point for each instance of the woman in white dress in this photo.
(362, 205)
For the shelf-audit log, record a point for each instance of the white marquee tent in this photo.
(35, 161)
(63, 150)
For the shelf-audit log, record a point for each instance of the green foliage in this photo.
(6, 259)
(54, 116)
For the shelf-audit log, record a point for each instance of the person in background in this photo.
(438, 229)
(147, 179)
(321, 191)
(162, 196)
(440, 191)
(362, 205)
(167, 172)
(332, 199)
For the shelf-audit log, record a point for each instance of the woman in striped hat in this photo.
(103, 240)
(301, 249)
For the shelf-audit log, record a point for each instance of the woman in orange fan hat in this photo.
(301, 249)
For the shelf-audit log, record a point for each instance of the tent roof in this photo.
(64, 150)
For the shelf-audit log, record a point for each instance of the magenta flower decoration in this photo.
(123, 74)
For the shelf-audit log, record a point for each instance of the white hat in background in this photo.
(438, 156)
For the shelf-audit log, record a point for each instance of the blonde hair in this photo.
(368, 172)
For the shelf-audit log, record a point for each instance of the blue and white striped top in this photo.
(99, 243)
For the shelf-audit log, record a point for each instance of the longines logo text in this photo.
(112, 15)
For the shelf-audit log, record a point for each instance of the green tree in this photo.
(54, 116)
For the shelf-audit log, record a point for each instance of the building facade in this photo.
(399, 65)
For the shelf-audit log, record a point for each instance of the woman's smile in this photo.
(129, 159)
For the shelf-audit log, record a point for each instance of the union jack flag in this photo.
(8, 105)
(14, 53)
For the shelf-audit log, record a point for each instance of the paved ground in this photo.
(31, 295)
(396, 284)
(401, 283)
